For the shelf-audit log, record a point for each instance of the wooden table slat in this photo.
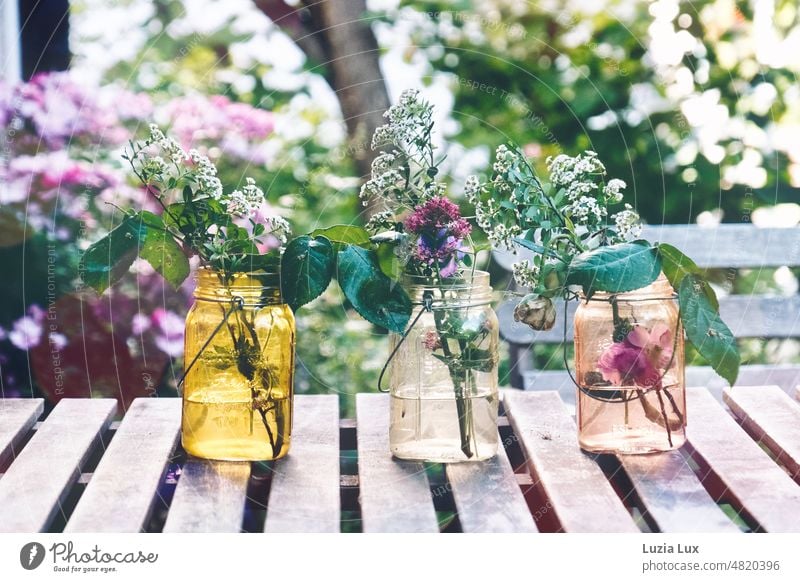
(122, 490)
(304, 495)
(673, 496)
(488, 498)
(17, 416)
(582, 498)
(773, 418)
(39, 478)
(751, 479)
(210, 497)
(395, 495)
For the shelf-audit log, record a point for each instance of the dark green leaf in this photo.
(676, 266)
(706, 330)
(158, 247)
(615, 269)
(376, 297)
(530, 245)
(342, 234)
(107, 260)
(306, 269)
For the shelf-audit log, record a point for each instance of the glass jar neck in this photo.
(254, 289)
(658, 290)
(468, 288)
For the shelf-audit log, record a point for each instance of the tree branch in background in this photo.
(336, 35)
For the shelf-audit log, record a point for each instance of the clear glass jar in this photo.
(237, 395)
(629, 364)
(443, 383)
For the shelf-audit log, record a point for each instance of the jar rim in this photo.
(475, 278)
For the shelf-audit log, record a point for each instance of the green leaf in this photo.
(106, 261)
(376, 297)
(159, 248)
(532, 246)
(615, 268)
(676, 266)
(706, 330)
(388, 260)
(344, 234)
(306, 269)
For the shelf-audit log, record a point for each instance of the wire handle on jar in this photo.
(427, 307)
(592, 393)
(237, 304)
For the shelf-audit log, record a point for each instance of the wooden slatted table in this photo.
(77, 471)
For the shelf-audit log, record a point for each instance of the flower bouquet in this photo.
(416, 256)
(444, 364)
(637, 298)
(239, 344)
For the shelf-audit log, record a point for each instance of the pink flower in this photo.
(639, 359)
(436, 214)
(431, 340)
(169, 338)
(26, 333)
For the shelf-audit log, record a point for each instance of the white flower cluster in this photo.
(586, 209)
(244, 202)
(381, 185)
(628, 224)
(206, 175)
(565, 171)
(381, 221)
(167, 145)
(525, 273)
(502, 159)
(278, 227)
(613, 190)
(406, 120)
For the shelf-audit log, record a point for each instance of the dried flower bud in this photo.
(537, 312)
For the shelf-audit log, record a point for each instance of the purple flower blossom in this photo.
(441, 231)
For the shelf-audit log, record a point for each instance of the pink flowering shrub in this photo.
(61, 180)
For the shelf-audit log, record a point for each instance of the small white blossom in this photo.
(613, 190)
(278, 227)
(628, 224)
(525, 273)
(472, 189)
(381, 221)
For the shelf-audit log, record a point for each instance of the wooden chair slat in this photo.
(771, 416)
(673, 496)
(122, 490)
(582, 498)
(746, 315)
(209, 498)
(488, 498)
(395, 495)
(753, 482)
(731, 245)
(304, 495)
(722, 246)
(37, 481)
(17, 416)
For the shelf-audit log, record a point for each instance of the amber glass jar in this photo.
(629, 365)
(443, 384)
(237, 394)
